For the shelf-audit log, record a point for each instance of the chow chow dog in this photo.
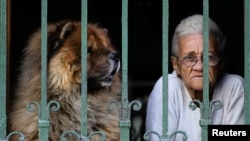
(64, 83)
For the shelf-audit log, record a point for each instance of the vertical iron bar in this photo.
(3, 69)
(124, 48)
(165, 18)
(124, 122)
(84, 65)
(43, 121)
(247, 60)
(205, 113)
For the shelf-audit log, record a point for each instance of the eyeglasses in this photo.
(191, 60)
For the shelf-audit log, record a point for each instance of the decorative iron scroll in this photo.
(165, 137)
(125, 109)
(214, 103)
(52, 105)
(83, 138)
(21, 138)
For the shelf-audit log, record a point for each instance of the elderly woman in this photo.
(185, 83)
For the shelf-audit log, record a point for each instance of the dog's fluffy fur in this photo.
(64, 83)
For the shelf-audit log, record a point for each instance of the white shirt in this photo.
(229, 90)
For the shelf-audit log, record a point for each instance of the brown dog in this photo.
(64, 83)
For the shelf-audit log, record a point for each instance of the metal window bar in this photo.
(165, 14)
(3, 68)
(125, 106)
(84, 19)
(205, 120)
(247, 60)
(44, 111)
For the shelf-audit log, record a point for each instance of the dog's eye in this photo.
(89, 50)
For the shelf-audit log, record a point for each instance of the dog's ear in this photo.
(106, 30)
(58, 36)
(62, 32)
(66, 30)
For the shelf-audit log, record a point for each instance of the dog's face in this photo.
(64, 47)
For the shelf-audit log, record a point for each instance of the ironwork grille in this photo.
(125, 105)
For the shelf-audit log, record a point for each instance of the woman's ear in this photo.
(175, 64)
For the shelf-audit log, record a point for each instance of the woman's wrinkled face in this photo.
(192, 76)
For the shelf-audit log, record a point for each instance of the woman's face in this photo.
(193, 75)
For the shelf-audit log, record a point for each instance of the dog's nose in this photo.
(114, 56)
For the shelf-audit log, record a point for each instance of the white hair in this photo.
(193, 25)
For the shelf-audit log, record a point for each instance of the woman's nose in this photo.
(199, 64)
